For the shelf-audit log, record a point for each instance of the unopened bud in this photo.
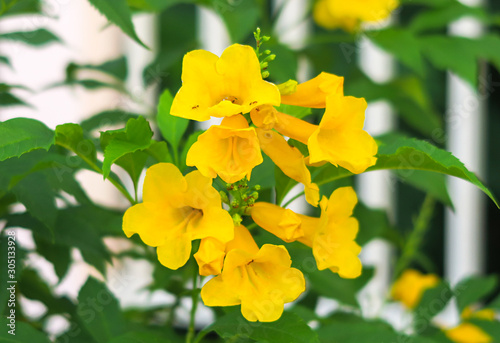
(265, 74)
(287, 88)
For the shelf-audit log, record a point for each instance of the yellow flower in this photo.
(211, 253)
(230, 150)
(313, 93)
(261, 282)
(468, 333)
(411, 285)
(348, 15)
(222, 87)
(331, 236)
(290, 160)
(177, 210)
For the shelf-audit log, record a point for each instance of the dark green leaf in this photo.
(9, 262)
(58, 255)
(491, 328)
(118, 12)
(373, 223)
(100, 312)
(133, 163)
(8, 99)
(168, 336)
(240, 17)
(21, 135)
(172, 128)
(283, 184)
(433, 301)
(263, 174)
(431, 183)
(5, 60)
(106, 118)
(474, 289)
(116, 68)
(37, 38)
(24, 333)
(117, 143)
(289, 328)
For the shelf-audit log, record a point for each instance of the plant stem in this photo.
(195, 299)
(412, 246)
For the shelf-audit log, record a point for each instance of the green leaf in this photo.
(433, 301)
(106, 118)
(187, 145)
(117, 143)
(240, 17)
(159, 151)
(8, 99)
(172, 128)
(397, 152)
(296, 111)
(474, 289)
(264, 174)
(5, 60)
(37, 37)
(100, 312)
(116, 68)
(17, 7)
(289, 328)
(491, 328)
(58, 255)
(442, 51)
(118, 12)
(133, 163)
(71, 137)
(20, 256)
(283, 184)
(24, 333)
(402, 44)
(373, 223)
(169, 336)
(21, 135)
(431, 183)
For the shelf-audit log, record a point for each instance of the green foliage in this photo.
(118, 12)
(433, 301)
(172, 128)
(474, 289)
(36, 38)
(25, 333)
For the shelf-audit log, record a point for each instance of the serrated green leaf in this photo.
(37, 37)
(100, 312)
(172, 128)
(397, 152)
(402, 44)
(289, 328)
(117, 143)
(118, 12)
(21, 135)
(474, 289)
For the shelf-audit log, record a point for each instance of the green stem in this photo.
(195, 299)
(293, 199)
(412, 246)
(96, 168)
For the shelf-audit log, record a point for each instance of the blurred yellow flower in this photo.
(222, 87)
(331, 237)
(348, 15)
(177, 210)
(290, 160)
(261, 282)
(411, 285)
(468, 333)
(230, 150)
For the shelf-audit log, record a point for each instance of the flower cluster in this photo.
(178, 209)
(348, 15)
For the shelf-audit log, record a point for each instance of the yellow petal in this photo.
(243, 240)
(468, 333)
(313, 93)
(294, 128)
(340, 138)
(162, 179)
(290, 160)
(264, 117)
(210, 256)
(175, 253)
(216, 223)
(216, 292)
(230, 150)
(411, 285)
(282, 223)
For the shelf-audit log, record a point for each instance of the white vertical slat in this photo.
(376, 188)
(464, 246)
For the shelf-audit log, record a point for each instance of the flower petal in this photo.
(313, 93)
(175, 252)
(162, 179)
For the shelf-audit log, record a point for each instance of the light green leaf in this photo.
(17, 7)
(289, 328)
(402, 44)
(100, 312)
(21, 135)
(474, 289)
(71, 137)
(37, 37)
(397, 152)
(172, 128)
(118, 12)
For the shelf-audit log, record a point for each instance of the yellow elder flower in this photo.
(210, 255)
(411, 285)
(331, 237)
(290, 160)
(468, 333)
(176, 210)
(222, 86)
(230, 150)
(261, 282)
(347, 15)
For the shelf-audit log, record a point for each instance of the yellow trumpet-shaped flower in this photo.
(290, 160)
(468, 333)
(177, 210)
(230, 150)
(210, 255)
(348, 15)
(411, 285)
(222, 86)
(331, 237)
(313, 93)
(261, 282)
